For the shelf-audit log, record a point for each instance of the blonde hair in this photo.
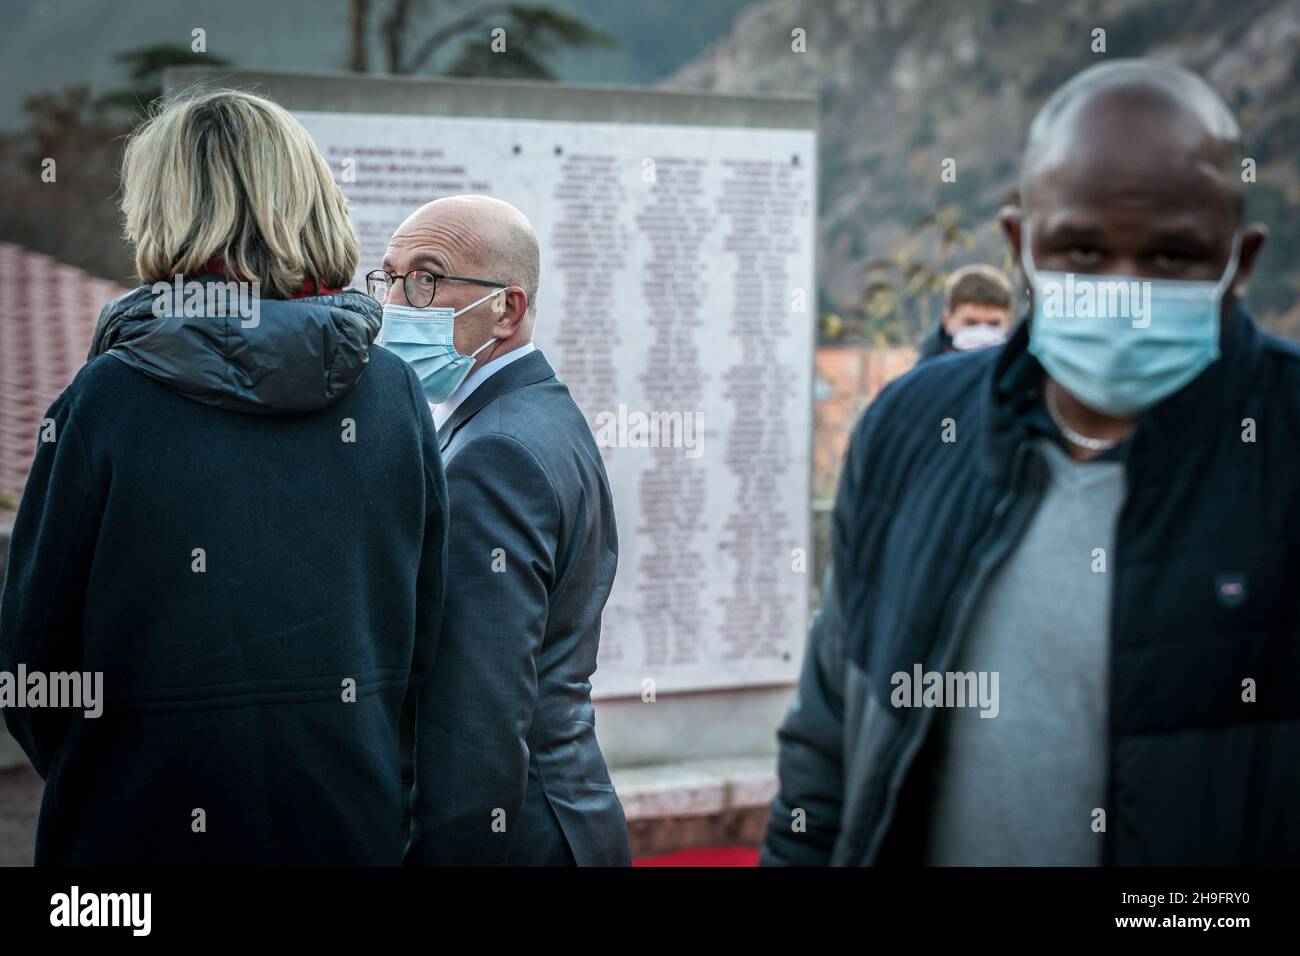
(231, 176)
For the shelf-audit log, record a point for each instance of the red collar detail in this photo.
(308, 287)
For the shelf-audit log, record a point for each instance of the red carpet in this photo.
(706, 856)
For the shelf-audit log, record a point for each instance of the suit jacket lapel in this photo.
(529, 370)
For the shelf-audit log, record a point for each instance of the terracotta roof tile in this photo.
(47, 316)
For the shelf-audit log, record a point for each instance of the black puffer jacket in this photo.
(1197, 775)
(233, 576)
(306, 354)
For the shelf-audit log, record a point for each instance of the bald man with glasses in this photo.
(508, 770)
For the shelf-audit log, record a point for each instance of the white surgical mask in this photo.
(971, 337)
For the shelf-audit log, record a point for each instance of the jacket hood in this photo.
(300, 355)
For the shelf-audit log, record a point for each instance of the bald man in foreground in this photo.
(507, 767)
(1063, 622)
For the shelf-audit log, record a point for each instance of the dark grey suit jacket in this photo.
(508, 770)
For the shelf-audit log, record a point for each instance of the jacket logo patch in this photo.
(1231, 589)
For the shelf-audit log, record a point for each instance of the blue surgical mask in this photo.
(1120, 344)
(423, 338)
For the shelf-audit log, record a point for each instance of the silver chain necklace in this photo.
(1073, 437)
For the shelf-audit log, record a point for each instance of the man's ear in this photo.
(509, 308)
(944, 319)
(1253, 238)
(1009, 218)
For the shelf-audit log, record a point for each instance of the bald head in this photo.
(1133, 168)
(1151, 113)
(487, 234)
(486, 254)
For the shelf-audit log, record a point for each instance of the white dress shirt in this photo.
(476, 378)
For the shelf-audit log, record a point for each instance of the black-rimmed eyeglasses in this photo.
(419, 285)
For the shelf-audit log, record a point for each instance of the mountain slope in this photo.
(905, 84)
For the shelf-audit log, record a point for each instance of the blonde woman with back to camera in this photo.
(240, 524)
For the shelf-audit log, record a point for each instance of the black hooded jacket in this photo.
(1204, 742)
(241, 525)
